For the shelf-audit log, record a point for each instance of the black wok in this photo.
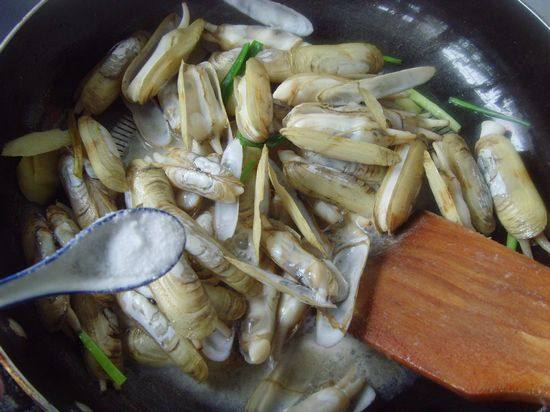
(492, 52)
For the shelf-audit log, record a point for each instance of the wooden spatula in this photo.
(460, 309)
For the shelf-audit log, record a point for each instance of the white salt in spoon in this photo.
(121, 251)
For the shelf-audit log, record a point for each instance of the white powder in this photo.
(130, 249)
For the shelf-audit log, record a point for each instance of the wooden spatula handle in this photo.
(460, 309)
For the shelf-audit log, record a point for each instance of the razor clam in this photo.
(61, 222)
(351, 244)
(179, 349)
(304, 87)
(98, 321)
(258, 325)
(254, 112)
(284, 248)
(347, 59)
(151, 188)
(439, 186)
(274, 14)
(379, 86)
(328, 212)
(102, 154)
(92, 312)
(414, 123)
(351, 121)
(302, 293)
(205, 176)
(262, 198)
(290, 313)
(170, 105)
(229, 36)
(340, 148)
(38, 242)
(144, 349)
(81, 201)
(517, 202)
(202, 112)
(297, 211)
(443, 166)
(160, 59)
(102, 196)
(188, 201)
(275, 62)
(102, 85)
(474, 188)
(328, 184)
(218, 345)
(180, 296)
(334, 398)
(229, 305)
(302, 369)
(395, 199)
(370, 174)
(151, 123)
(227, 214)
(206, 221)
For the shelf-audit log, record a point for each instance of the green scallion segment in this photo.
(237, 69)
(434, 109)
(109, 367)
(272, 141)
(485, 111)
(247, 143)
(255, 48)
(275, 141)
(511, 242)
(393, 60)
(247, 169)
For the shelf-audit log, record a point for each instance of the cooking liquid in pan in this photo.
(230, 384)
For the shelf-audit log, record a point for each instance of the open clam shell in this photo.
(400, 187)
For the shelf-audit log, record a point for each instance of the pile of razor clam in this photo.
(277, 156)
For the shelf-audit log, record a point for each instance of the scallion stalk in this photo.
(511, 242)
(275, 141)
(434, 109)
(393, 60)
(227, 82)
(272, 141)
(109, 367)
(247, 143)
(237, 69)
(255, 48)
(247, 169)
(488, 112)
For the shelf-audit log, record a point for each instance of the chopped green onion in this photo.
(272, 141)
(109, 367)
(247, 143)
(485, 111)
(247, 169)
(275, 141)
(255, 48)
(393, 60)
(227, 82)
(434, 109)
(511, 242)
(237, 69)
